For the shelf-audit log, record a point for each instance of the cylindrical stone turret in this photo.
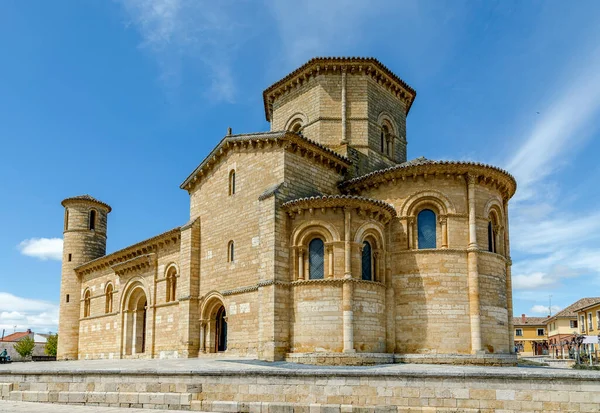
(84, 238)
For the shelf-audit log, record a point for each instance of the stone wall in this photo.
(312, 390)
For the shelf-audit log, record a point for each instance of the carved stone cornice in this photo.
(375, 209)
(427, 169)
(255, 287)
(137, 264)
(335, 281)
(289, 141)
(149, 246)
(329, 65)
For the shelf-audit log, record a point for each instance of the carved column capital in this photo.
(472, 178)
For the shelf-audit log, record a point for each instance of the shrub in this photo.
(51, 345)
(25, 347)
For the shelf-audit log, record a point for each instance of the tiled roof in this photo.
(571, 311)
(15, 336)
(225, 143)
(333, 198)
(88, 198)
(422, 161)
(591, 304)
(530, 321)
(339, 60)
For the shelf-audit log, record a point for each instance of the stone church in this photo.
(315, 242)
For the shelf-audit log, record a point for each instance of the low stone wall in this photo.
(290, 388)
(483, 359)
(340, 359)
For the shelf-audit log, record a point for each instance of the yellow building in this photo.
(589, 318)
(531, 337)
(563, 324)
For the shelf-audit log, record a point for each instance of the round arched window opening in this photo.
(426, 229)
(316, 259)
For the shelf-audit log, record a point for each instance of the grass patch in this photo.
(585, 367)
(529, 363)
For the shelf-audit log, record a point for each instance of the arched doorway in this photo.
(134, 321)
(214, 324)
(221, 330)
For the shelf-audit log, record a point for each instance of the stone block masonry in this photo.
(250, 386)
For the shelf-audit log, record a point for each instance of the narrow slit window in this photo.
(232, 182)
(92, 219)
(66, 219)
(86, 304)
(109, 299)
(67, 298)
(367, 262)
(231, 251)
(70, 256)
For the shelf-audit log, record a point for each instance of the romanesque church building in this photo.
(315, 242)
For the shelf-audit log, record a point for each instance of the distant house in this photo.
(564, 324)
(8, 342)
(530, 335)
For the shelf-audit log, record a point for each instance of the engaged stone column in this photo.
(344, 137)
(301, 263)
(347, 288)
(329, 249)
(444, 225)
(473, 270)
(202, 336)
(509, 301)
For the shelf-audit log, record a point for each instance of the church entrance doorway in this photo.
(213, 324)
(135, 317)
(221, 330)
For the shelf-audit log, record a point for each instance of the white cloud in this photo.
(543, 309)
(22, 313)
(554, 243)
(42, 248)
(190, 36)
(564, 124)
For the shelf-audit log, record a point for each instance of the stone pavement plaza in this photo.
(246, 385)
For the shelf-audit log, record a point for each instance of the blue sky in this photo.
(122, 99)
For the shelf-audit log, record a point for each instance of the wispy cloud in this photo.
(22, 313)
(195, 37)
(544, 309)
(42, 248)
(564, 124)
(555, 242)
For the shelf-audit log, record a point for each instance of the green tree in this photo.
(51, 345)
(25, 347)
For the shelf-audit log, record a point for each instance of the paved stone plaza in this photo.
(206, 366)
(245, 385)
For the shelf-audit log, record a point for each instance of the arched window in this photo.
(384, 133)
(108, 308)
(86, 304)
(230, 252)
(92, 219)
(491, 237)
(316, 259)
(171, 284)
(232, 182)
(296, 126)
(367, 262)
(426, 228)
